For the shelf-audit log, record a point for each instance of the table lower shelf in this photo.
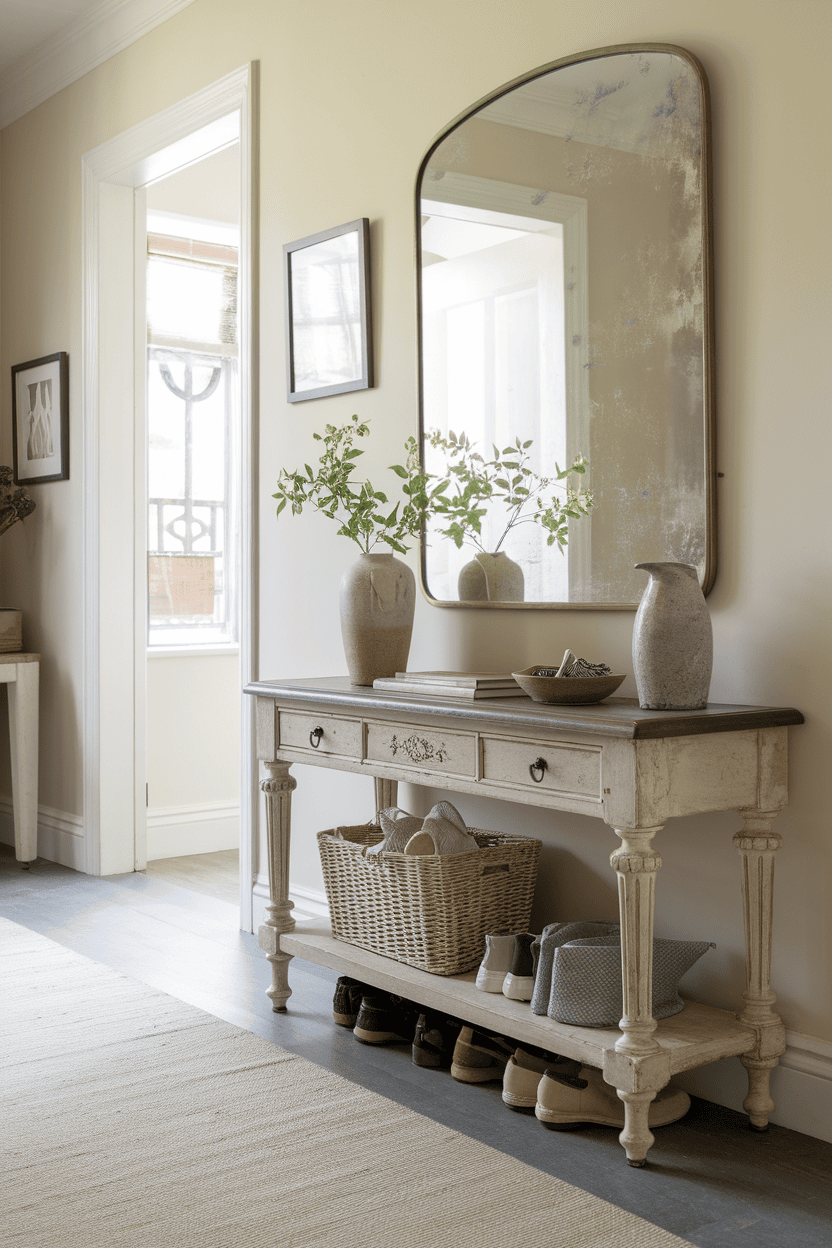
(698, 1035)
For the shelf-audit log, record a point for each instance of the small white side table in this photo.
(21, 672)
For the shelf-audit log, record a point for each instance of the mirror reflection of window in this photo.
(495, 363)
(326, 313)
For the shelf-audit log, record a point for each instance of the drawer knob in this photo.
(315, 737)
(540, 765)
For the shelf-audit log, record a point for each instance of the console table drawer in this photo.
(300, 730)
(423, 749)
(569, 769)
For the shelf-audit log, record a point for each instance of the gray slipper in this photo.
(398, 827)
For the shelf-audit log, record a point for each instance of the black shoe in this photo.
(384, 1019)
(433, 1043)
(347, 1001)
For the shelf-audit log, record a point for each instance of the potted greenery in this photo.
(15, 505)
(377, 593)
(470, 488)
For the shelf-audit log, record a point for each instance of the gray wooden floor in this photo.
(711, 1180)
(215, 875)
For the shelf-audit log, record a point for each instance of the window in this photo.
(192, 404)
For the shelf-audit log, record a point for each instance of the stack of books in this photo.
(470, 685)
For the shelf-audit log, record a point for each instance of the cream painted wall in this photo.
(348, 109)
(193, 733)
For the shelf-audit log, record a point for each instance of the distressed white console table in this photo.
(634, 770)
(21, 674)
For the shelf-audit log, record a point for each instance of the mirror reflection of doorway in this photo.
(193, 489)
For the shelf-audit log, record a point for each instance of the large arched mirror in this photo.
(565, 317)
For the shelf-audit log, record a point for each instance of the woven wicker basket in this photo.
(430, 911)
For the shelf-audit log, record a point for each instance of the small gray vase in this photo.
(672, 640)
(491, 578)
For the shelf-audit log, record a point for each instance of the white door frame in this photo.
(114, 679)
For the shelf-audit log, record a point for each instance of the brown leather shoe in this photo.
(347, 1001)
(435, 1039)
(480, 1056)
(385, 1019)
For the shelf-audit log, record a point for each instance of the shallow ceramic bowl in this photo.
(562, 690)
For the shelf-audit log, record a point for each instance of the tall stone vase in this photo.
(11, 630)
(491, 578)
(377, 600)
(672, 640)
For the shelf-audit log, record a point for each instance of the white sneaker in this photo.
(496, 964)
(518, 984)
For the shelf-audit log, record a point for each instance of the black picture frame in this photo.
(40, 419)
(329, 333)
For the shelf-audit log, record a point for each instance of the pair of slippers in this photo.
(443, 831)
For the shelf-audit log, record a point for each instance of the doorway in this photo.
(192, 520)
(115, 521)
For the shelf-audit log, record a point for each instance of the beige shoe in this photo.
(564, 1101)
(480, 1056)
(525, 1069)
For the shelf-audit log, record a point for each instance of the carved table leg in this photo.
(23, 738)
(639, 1068)
(386, 792)
(278, 789)
(757, 845)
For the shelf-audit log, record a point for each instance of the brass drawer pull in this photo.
(315, 737)
(540, 765)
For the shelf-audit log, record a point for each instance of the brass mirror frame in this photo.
(708, 335)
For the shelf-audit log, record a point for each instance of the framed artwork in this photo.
(329, 336)
(40, 419)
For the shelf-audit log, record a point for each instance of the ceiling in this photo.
(26, 24)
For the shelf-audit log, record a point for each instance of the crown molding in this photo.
(92, 38)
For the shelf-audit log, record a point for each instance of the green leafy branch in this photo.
(473, 483)
(361, 511)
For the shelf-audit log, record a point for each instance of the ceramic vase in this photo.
(377, 601)
(491, 578)
(11, 630)
(672, 640)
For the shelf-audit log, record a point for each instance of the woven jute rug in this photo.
(132, 1119)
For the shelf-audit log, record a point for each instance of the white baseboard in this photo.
(801, 1086)
(176, 831)
(60, 836)
(172, 831)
